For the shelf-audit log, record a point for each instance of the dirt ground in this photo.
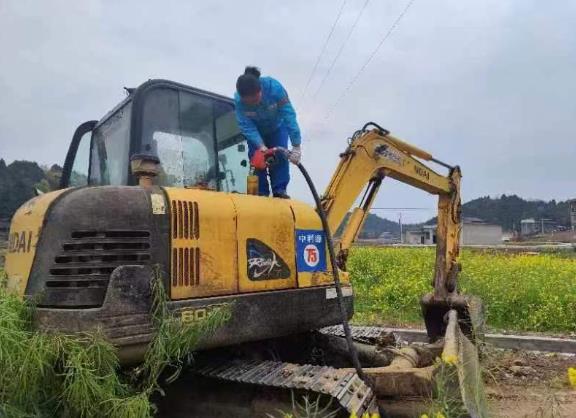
(529, 385)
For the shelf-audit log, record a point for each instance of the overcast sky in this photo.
(486, 84)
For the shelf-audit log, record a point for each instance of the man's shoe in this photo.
(281, 195)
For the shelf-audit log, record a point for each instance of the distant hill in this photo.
(508, 210)
(375, 226)
(18, 181)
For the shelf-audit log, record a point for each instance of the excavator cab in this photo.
(193, 133)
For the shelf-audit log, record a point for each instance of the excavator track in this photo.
(343, 385)
(361, 334)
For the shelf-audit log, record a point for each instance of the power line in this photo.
(303, 93)
(370, 57)
(401, 209)
(341, 48)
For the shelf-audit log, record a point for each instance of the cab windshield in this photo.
(196, 138)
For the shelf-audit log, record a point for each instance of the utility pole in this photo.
(400, 222)
(573, 214)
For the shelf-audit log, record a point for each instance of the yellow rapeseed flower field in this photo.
(520, 292)
(572, 376)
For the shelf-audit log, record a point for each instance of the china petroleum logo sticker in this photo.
(310, 250)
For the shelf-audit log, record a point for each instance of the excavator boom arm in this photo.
(374, 155)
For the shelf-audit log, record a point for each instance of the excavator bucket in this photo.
(470, 312)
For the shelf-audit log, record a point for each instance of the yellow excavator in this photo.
(158, 188)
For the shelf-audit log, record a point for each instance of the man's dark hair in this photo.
(248, 84)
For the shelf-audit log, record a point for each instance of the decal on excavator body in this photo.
(310, 250)
(264, 263)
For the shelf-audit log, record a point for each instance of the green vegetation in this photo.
(64, 375)
(446, 401)
(509, 210)
(175, 340)
(18, 181)
(520, 292)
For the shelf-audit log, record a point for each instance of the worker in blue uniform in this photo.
(266, 118)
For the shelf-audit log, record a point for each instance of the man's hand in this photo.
(295, 154)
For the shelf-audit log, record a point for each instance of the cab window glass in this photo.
(79, 174)
(197, 127)
(110, 149)
(232, 150)
(178, 127)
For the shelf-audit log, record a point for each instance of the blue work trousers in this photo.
(280, 171)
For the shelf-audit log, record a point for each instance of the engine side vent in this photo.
(185, 257)
(185, 220)
(186, 266)
(81, 270)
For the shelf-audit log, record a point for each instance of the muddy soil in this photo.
(529, 385)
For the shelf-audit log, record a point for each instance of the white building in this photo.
(474, 232)
(425, 235)
(538, 226)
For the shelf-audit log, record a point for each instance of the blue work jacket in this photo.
(273, 112)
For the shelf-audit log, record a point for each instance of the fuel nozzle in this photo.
(264, 159)
(271, 157)
(261, 160)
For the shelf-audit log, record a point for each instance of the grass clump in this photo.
(171, 349)
(306, 408)
(446, 401)
(78, 375)
(26, 361)
(520, 292)
(175, 340)
(90, 377)
(56, 375)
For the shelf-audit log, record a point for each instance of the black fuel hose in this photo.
(344, 315)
